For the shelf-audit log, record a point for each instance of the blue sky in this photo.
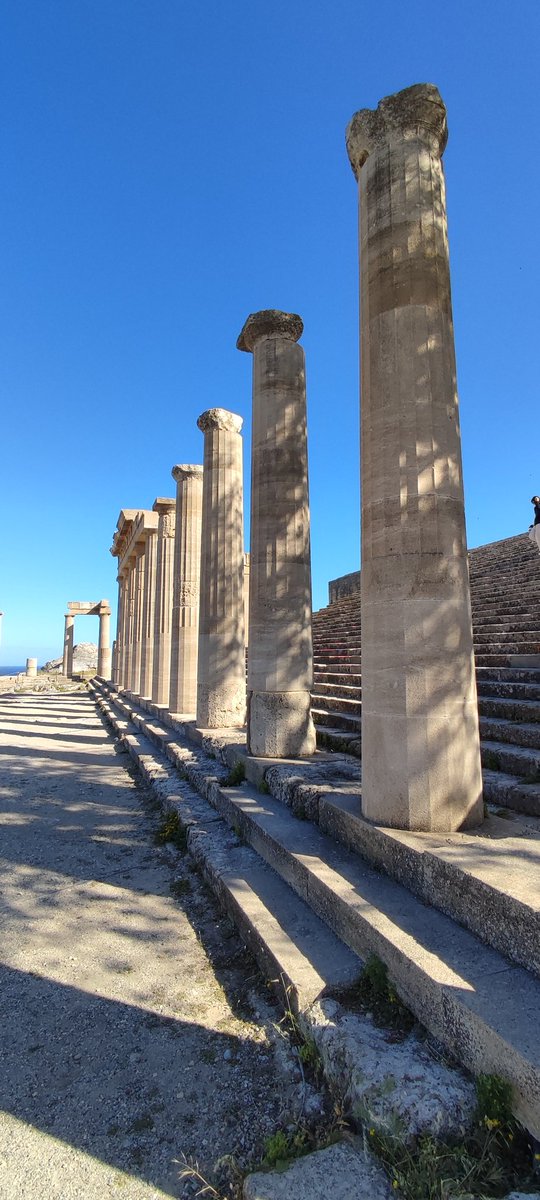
(169, 167)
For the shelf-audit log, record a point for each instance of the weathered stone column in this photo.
(138, 588)
(104, 643)
(221, 683)
(117, 642)
(149, 609)
(186, 589)
(67, 663)
(128, 624)
(120, 629)
(163, 602)
(420, 743)
(280, 659)
(31, 668)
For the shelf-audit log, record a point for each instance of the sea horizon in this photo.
(11, 670)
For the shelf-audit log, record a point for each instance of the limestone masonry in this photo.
(182, 571)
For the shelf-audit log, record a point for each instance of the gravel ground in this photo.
(135, 1031)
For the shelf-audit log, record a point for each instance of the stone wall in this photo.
(344, 585)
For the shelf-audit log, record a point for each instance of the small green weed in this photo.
(171, 830)
(309, 1056)
(494, 1101)
(495, 1157)
(236, 775)
(263, 788)
(373, 992)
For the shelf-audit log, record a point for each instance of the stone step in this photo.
(491, 660)
(335, 719)
(347, 678)
(462, 990)
(511, 760)
(528, 625)
(340, 740)
(508, 791)
(286, 938)
(511, 690)
(333, 665)
(343, 704)
(519, 643)
(508, 709)
(508, 674)
(499, 729)
(338, 690)
(519, 646)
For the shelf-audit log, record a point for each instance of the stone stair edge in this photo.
(341, 1037)
(396, 966)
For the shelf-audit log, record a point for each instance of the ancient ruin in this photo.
(420, 742)
(280, 666)
(221, 682)
(101, 609)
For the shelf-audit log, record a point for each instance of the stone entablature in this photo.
(98, 608)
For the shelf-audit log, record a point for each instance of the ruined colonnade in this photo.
(181, 575)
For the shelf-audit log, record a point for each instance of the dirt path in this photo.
(134, 1030)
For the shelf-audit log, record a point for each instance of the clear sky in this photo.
(168, 168)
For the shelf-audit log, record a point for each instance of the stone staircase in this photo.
(505, 594)
(314, 889)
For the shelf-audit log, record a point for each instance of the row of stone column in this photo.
(420, 740)
(181, 636)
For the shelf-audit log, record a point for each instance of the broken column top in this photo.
(270, 322)
(187, 471)
(220, 418)
(163, 504)
(416, 112)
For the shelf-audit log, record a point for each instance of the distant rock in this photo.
(85, 658)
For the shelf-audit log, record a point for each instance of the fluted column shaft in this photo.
(117, 642)
(148, 615)
(163, 603)
(280, 659)
(420, 743)
(128, 625)
(67, 661)
(121, 629)
(221, 688)
(138, 599)
(186, 588)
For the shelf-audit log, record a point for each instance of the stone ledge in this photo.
(462, 991)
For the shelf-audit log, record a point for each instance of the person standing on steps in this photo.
(534, 529)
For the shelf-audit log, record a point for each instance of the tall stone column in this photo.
(138, 599)
(104, 644)
(121, 629)
(221, 686)
(186, 589)
(420, 742)
(280, 660)
(116, 644)
(67, 662)
(128, 625)
(163, 602)
(148, 614)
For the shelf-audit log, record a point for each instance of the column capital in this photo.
(269, 323)
(163, 504)
(187, 471)
(416, 112)
(220, 418)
